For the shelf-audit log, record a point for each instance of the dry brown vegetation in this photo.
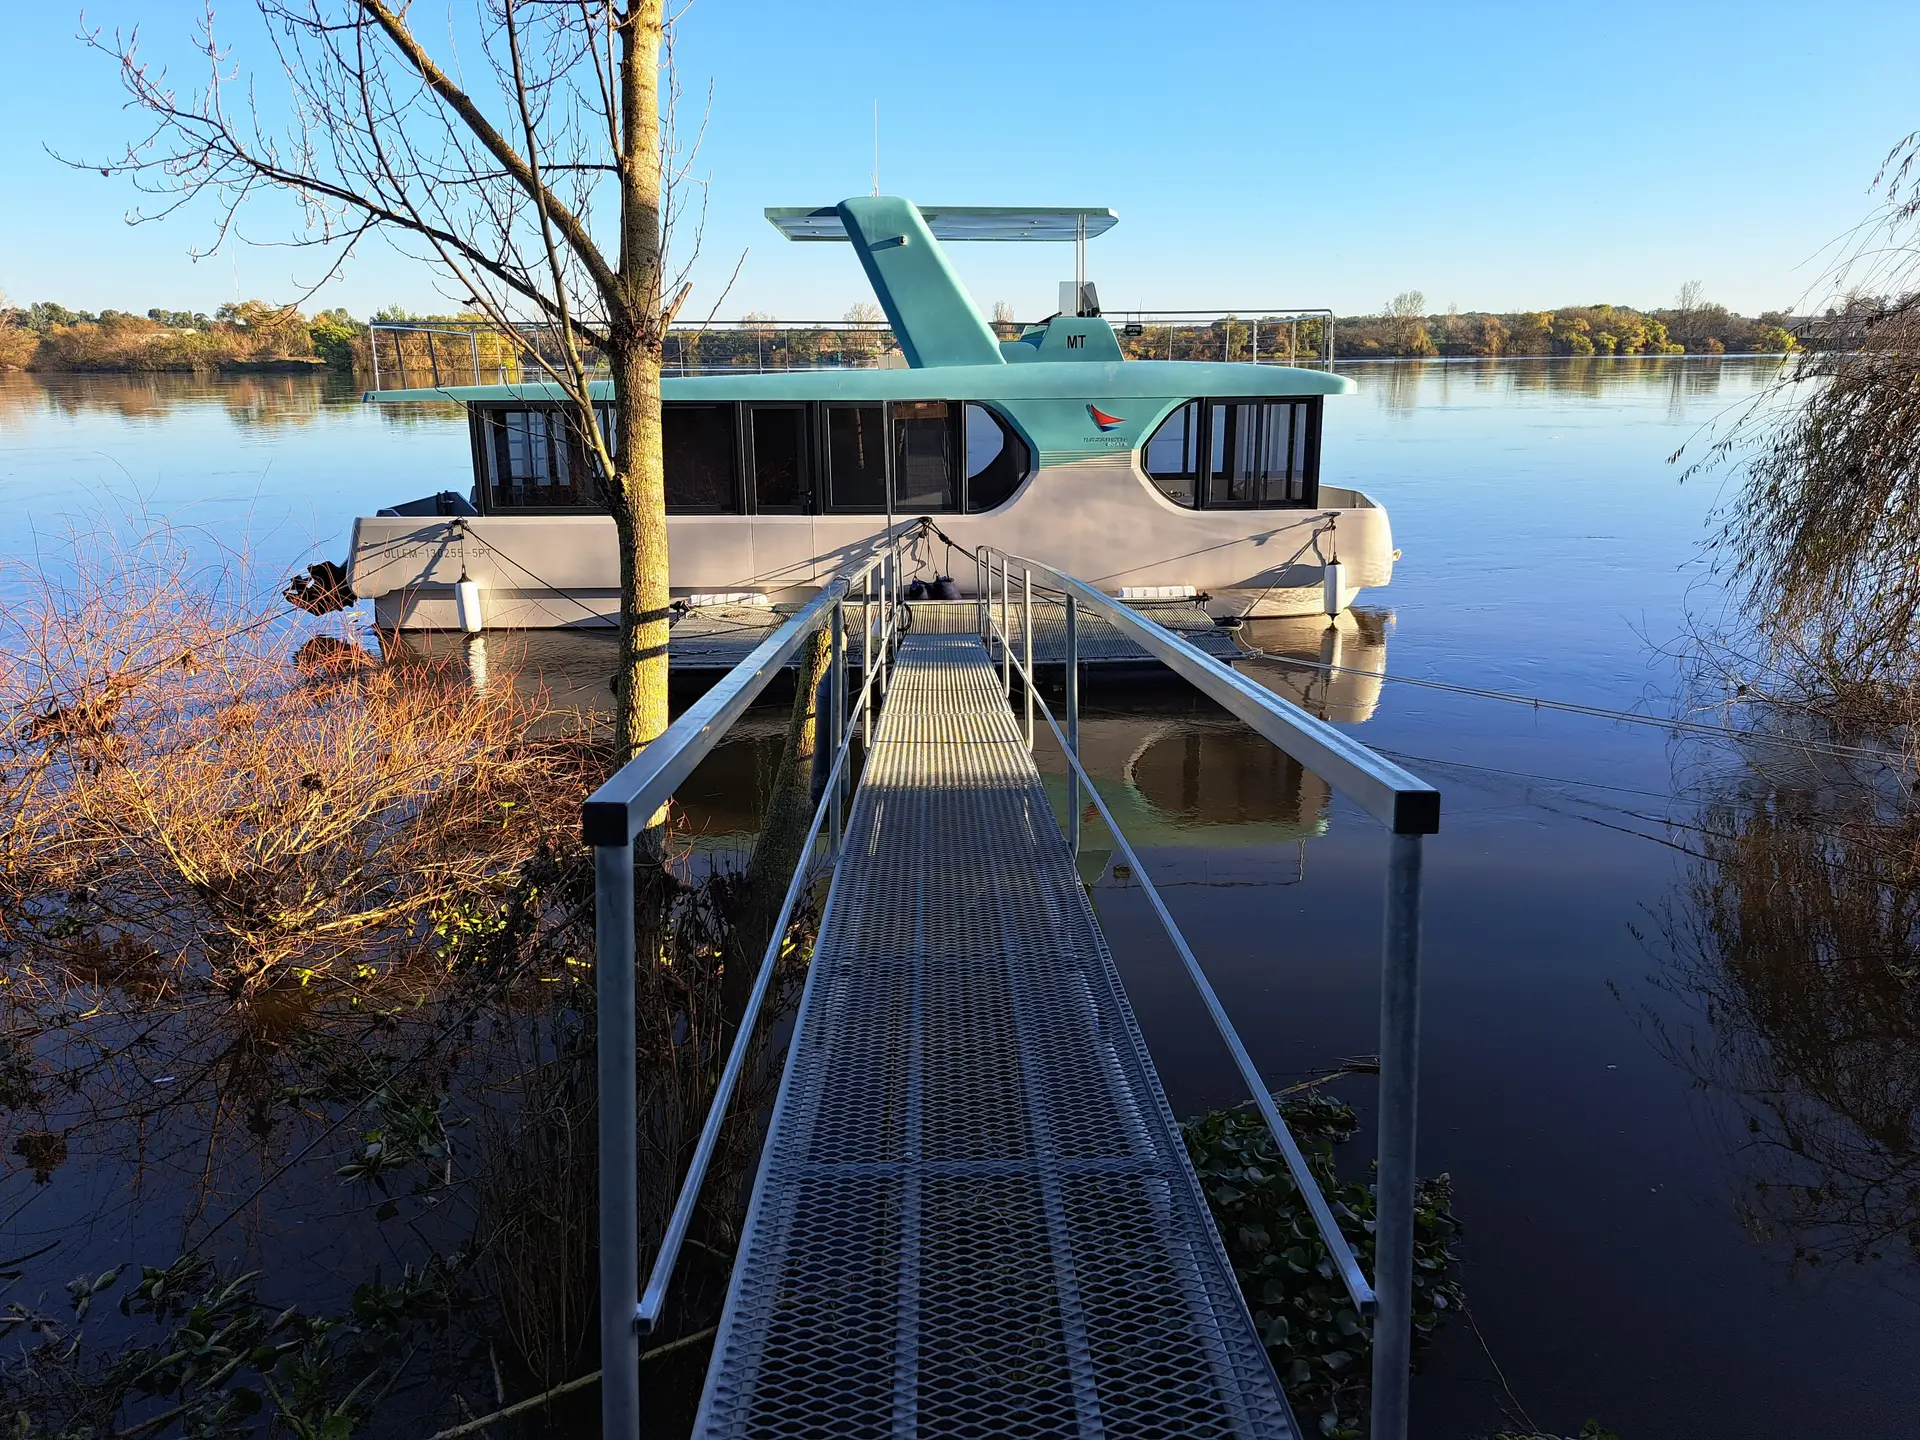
(250, 334)
(189, 775)
(291, 929)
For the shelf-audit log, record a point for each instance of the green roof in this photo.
(1118, 380)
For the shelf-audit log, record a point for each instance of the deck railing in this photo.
(613, 817)
(439, 354)
(1405, 804)
(621, 809)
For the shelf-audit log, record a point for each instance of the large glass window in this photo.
(925, 449)
(532, 460)
(701, 458)
(1238, 453)
(1248, 454)
(856, 457)
(779, 442)
(1173, 455)
(997, 459)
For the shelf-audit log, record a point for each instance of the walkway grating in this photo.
(974, 1215)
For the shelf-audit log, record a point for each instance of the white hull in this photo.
(1099, 518)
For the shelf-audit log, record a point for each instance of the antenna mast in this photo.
(876, 146)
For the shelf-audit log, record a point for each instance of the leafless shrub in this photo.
(1823, 541)
(189, 772)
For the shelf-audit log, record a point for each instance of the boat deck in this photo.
(720, 637)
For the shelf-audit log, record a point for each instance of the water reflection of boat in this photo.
(1180, 776)
(1344, 649)
(1177, 772)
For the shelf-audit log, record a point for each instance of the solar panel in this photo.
(957, 222)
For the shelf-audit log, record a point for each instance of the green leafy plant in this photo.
(225, 1363)
(1319, 1343)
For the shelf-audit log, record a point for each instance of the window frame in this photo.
(737, 506)
(956, 428)
(823, 492)
(750, 481)
(815, 456)
(481, 425)
(1010, 434)
(1314, 407)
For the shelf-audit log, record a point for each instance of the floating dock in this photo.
(975, 1214)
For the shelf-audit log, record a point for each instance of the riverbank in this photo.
(256, 335)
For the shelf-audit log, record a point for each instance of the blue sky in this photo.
(1494, 156)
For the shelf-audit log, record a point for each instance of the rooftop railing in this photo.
(439, 354)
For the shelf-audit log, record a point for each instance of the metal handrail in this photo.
(1406, 804)
(1358, 1290)
(610, 820)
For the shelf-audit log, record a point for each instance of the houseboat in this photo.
(1150, 478)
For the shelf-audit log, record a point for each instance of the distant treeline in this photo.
(1693, 326)
(249, 335)
(256, 335)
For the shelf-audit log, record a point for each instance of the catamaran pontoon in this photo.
(1150, 478)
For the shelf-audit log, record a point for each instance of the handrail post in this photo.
(1399, 1094)
(888, 600)
(836, 708)
(866, 661)
(1073, 724)
(1026, 636)
(619, 1150)
(1006, 633)
(981, 580)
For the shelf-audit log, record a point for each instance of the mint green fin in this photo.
(926, 304)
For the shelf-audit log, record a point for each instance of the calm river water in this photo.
(1664, 1156)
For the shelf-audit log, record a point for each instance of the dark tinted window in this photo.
(856, 457)
(533, 460)
(1247, 451)
(1173, 455)
(702, 461)
(1260, 452)
(779, 436)
(925, 447)
(997, 459)
(1238, 453)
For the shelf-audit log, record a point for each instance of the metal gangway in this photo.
(974, 1213)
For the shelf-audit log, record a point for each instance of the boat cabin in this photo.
(1141, 475)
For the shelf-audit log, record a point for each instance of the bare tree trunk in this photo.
(637, 333)
(639, 517)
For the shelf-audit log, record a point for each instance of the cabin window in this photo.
(701, 458)
(997, 459)
(533, 460)
(925, 452)
(1238, 454)
(856, 457)
(1173, 455)
(777, 440)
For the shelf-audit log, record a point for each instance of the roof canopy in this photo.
(958, 222)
